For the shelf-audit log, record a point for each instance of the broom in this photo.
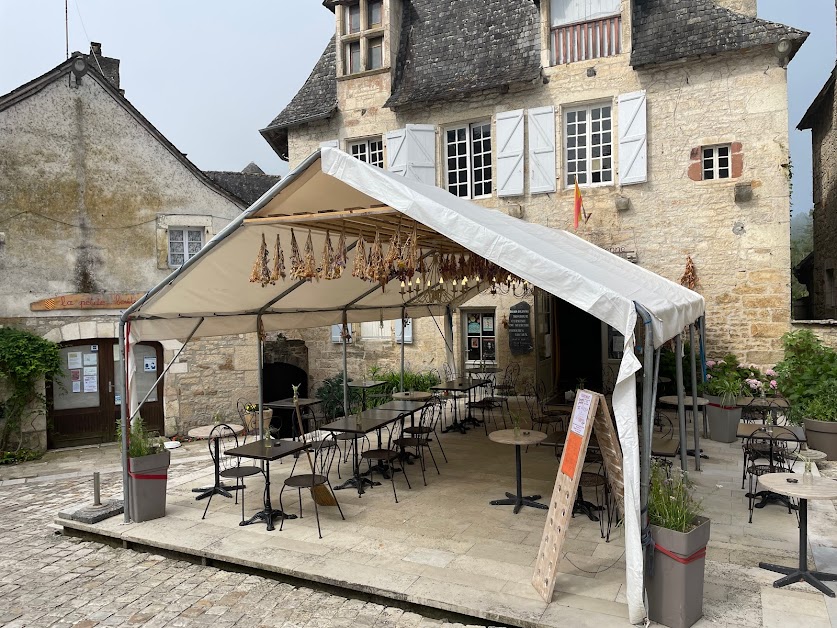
(320, 493)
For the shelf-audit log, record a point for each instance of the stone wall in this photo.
(740, 249)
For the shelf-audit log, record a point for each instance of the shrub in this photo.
(806, 377)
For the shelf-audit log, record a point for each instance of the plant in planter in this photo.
(724, 384)
(148, 464)
(807, 377)
(251, 417)
(674, 581)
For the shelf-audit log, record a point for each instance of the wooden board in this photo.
(87, 301)
(589, 412)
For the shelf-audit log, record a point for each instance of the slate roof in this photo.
(824, 97)
(669, 30)
(316, 99)
(450, 49)
(246, 186)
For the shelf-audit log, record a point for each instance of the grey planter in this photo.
(822, 436)
(675, 590)
(723, 420)
(147, 486)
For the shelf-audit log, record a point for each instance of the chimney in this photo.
(106, 66)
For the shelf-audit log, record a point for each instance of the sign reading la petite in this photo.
(87, 301)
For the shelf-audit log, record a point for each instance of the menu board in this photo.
(520, 336)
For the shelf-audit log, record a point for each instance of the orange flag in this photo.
(577, 206)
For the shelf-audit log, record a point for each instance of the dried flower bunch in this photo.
(302, 265)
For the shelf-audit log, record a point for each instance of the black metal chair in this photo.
(782, 446)
(540, 421)
(383, 458)
(230, 467)
(421, 441)
(322, 458)
(426, 430)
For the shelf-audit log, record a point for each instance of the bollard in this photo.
(96, 497)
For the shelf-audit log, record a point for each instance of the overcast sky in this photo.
(210, 73)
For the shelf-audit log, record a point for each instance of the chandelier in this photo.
(512, 285)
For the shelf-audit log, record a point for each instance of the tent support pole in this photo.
(451, 356)
(403, 335)
(694, 396)
(123, 422)
(701, 331)
(345, 365)
(647, 409)
(260, 366)
(681, 408)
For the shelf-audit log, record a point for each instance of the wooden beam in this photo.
(380, 210)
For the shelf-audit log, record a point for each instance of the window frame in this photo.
(184, 231)
(367, 142)
(469, 156)
(716, 158)
(466, 337)
(382, 333)
(362, 37)
(588, 109)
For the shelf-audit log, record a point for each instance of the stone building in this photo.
(96, 207)
(670, 115)
(819, 270)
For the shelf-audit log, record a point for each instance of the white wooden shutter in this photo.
(633, 144)
(509, 126)
(542, 173)
(421, 153)
(408, 334)
(330, 144)
(397, 151)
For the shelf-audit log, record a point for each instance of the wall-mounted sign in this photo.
(87, 301)
(149, 365)
(624, 253)
(520, 336)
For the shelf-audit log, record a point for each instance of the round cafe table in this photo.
(804, 488)
(526, 437)
(412, 395)
(202, 432)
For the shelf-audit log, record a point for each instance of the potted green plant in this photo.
(148, 464)
(807, 378)
(251, 417)
(724, 384)
(674, 582)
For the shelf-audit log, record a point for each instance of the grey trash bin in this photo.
(147, 479)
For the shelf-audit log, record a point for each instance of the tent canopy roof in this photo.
(333, 191)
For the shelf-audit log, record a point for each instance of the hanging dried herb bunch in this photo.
(309, 263)
(278, 262)
(261, 268)
(376, 270)
(296, 258)
(689, 278)
(340, 257)
(327, 266)
(361, 261)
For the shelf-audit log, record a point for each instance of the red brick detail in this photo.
(737, 164)
(694, 154)
(735, 147)
(695, 172)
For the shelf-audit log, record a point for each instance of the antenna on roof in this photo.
(66, 30)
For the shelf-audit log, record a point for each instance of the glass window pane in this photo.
(353, 18)
(376, 53)
(374, 13)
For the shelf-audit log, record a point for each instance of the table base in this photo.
(582, 507)
(769, 497)
(798, 575)
(380, 467)
(221, 489)
(358, 483)
(456, 426)
(267, 516)
(519, 502)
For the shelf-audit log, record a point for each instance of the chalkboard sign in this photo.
(520, 338)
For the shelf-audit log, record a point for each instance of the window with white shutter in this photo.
(509, 130)
(369, 150)
(588, 145)
(411, 152)
(396, 152)
(541, 132)
(408, 331)
(468, 162)
(633, 144)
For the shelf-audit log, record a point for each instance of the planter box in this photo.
(675, 590)
(147, 481)
(723, 420)
(822, 436)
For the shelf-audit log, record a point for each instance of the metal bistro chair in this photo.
(230, 466)
(783, 444)
(427, 430)
(421, 441)
(323, 457)
(387, 455)
(450, 395)
(540, 421)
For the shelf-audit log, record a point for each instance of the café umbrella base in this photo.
(147, 479)
(675, 584)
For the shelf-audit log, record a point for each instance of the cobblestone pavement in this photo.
(47, 579)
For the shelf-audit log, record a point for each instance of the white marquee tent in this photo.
(210, 295)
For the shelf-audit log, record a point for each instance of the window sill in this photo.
(363, 74)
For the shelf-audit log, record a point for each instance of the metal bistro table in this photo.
(259, 450)
(526, 437)
(305, 405)
(406, 407)
(412, 395)
(362, 423)
(365, 385)
(813, 488)
(218, 488)
(460, 385)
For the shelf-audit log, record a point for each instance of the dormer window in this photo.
(585, 29)
(362, 36)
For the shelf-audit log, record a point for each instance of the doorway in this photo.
(83, 402)
(579, 360)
